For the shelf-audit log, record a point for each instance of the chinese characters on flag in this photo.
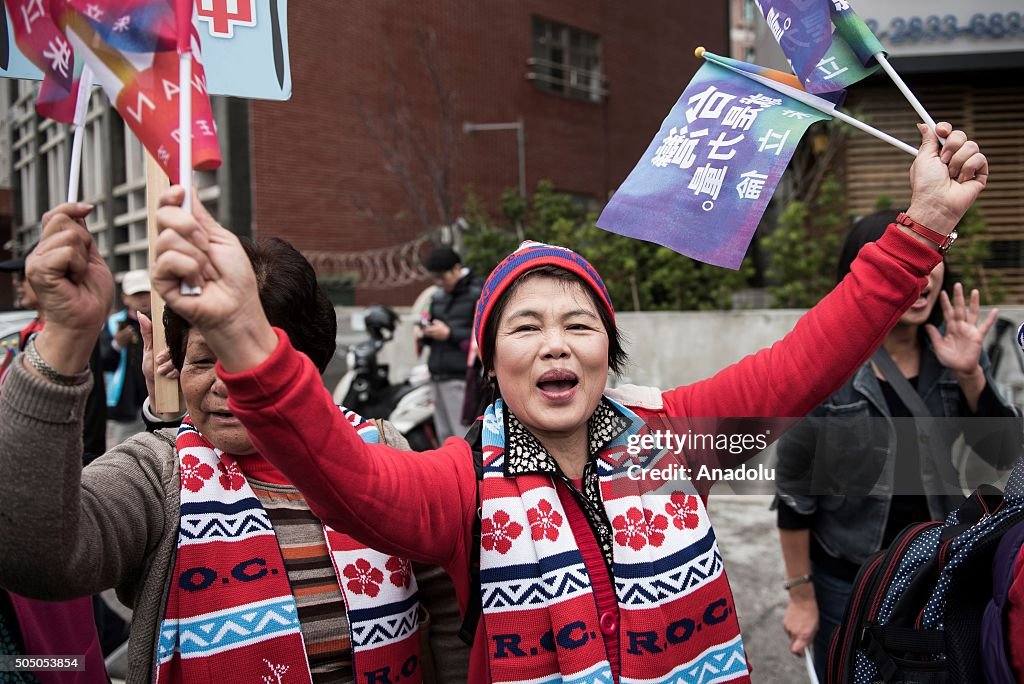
(823, 60)
(39, 39)
(704, 182)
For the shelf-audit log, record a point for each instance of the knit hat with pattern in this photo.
(528, 256)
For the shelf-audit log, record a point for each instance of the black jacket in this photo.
(455, 309)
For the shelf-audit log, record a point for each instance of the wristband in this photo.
(796, 581)
(943, 242)
(39, 364)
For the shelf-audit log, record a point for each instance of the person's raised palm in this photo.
(959, 348)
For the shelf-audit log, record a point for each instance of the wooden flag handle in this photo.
(166, 399)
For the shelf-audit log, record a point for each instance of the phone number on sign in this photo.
(902, 30)
(10, 663)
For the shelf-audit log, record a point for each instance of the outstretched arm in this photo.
(835, 337)
(66, 532)
(413, 505)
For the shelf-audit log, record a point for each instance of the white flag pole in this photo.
(812, 101)
(185, 143)
(857, 123)
(81, 108)
(883, 61)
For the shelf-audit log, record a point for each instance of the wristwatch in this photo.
(944, 242)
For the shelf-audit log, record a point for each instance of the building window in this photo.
(113, 176)
(566, 61)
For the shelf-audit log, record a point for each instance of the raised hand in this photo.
(195, 249)
(74, 287)
(944, 183)
(959, 349)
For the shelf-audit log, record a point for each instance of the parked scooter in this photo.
(366, 388)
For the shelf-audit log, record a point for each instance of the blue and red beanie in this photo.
(528, 256)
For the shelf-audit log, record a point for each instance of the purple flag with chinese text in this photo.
(704, 182)
(824, 60)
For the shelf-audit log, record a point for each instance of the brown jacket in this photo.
(68, 531)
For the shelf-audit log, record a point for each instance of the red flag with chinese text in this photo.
(132, 46)
(39, 39)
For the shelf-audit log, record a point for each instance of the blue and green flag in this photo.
(828, 46)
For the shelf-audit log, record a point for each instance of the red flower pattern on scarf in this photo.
(363, 578)
(683, 509)
(656, 525)
(638, 528)
(194, 474)
(544, 521)
(231, 477)
(631, 529)
(401, 571)
(498, 531)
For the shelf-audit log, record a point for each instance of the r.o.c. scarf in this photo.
(677, 616)
(231, 616)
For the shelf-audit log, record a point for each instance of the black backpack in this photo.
(916, 608)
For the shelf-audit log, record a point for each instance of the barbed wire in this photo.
(381, 268)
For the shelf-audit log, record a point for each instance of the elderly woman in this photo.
(583, 576)
(230, 575)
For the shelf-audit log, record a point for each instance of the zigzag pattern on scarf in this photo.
(223, 630)
(378, 627)
(216, 521)
(670, 577)
(718, 664)
(552, 587)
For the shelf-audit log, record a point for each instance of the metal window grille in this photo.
(566, 61)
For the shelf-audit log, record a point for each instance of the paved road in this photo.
(750, 548)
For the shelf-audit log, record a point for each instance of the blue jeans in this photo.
(832, 594)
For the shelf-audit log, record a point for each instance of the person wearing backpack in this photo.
(861, 446)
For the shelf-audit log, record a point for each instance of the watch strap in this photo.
(943, 242)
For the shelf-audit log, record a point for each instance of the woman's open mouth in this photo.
(558, 385)
(922, 301)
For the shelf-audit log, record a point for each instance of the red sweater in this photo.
(422, 506)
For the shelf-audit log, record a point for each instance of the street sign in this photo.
(245, 48)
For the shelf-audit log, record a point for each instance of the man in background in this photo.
(447, 333)
(121, 348)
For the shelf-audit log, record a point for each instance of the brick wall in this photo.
(320, 179)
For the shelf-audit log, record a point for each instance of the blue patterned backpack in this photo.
(916, 609)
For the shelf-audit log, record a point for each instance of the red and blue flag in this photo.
(41, 41)
(132, 47)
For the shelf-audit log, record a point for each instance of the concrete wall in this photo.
(666, 349)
